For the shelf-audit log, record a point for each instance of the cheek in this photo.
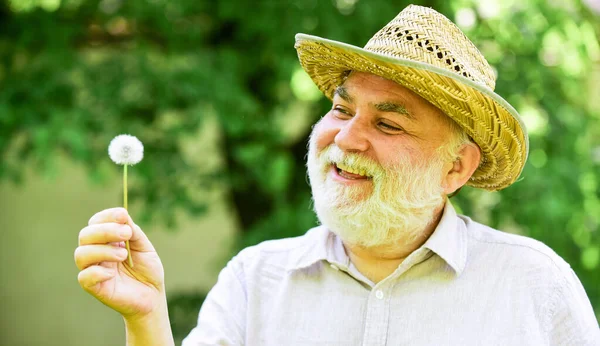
(392, 154)
(324, 132)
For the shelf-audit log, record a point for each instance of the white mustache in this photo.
(334, 155)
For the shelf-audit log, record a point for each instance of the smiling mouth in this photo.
(351, 174)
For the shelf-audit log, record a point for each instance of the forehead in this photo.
(361, 87)
(357, 79)
(373, 86)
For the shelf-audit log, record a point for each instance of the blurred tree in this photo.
(75, 73)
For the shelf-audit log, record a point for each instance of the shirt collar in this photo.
(321, 244)
(448, 241)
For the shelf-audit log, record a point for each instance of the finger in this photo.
(117, 215)
(139, 241)
(88, 255)
(90, 277)
(104, 233)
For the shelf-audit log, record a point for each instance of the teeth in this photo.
(351, 170)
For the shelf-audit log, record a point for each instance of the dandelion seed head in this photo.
(126, 150)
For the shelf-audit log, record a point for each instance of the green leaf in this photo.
(590, 257)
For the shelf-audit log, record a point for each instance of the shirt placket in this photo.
(377, 316)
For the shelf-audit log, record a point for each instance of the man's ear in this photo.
(457, 173)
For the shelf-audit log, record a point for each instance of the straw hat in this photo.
(425, 52)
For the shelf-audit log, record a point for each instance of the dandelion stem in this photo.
(125, 205)
(125, 186)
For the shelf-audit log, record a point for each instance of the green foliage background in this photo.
(75, 73)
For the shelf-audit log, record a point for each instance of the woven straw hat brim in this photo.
(485, 116)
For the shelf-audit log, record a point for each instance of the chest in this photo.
(335, 309)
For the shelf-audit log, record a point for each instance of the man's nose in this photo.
(352, 136)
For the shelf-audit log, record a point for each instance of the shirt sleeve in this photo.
(572, 318)
(222, 318)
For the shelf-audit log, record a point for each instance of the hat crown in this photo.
(423, 34)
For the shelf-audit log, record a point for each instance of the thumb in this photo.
(139, 241)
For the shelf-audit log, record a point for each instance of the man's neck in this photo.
(377, 263)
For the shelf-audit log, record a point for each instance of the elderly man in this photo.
(413, 119)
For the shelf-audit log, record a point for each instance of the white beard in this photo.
(395, 207)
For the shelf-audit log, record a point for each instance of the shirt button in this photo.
(379, 294)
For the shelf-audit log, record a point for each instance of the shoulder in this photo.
(513, 248)
(529, 266)
(522, 264)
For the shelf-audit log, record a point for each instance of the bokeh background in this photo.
(215, 92)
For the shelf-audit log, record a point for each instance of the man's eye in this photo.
(340, 112)
(390, 127)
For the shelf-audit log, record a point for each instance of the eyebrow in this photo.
(343, 93)
(382, 107)
(393, 107)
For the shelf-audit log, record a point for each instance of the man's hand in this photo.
(101, 257)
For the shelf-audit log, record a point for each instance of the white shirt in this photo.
(468, 284)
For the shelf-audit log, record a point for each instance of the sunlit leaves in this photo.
(590, 257)
(303, 87)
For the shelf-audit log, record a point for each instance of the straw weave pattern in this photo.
(499, 135)
(422, 34)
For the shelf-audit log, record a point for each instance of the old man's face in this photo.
(376, 162)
